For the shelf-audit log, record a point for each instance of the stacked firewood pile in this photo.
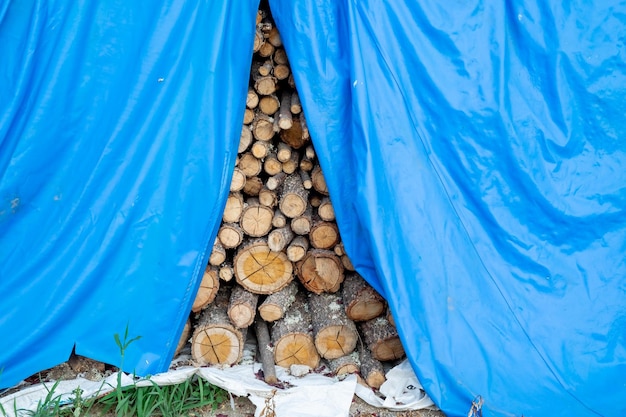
(278, 265)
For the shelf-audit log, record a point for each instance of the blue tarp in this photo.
(472, 150)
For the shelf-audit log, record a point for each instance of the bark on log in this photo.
(285, 119)
(215, 340)
(278, 239)
(276, 181)
(293, 197)
(275, 305)
(292, 337)
(283, 152)
(295, 105)
(320, 271)
(335, 334)
(260, 270)
(382, 339)
(242, 307)
(361, 301)
(265, 351)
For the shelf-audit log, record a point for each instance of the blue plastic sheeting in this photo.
(475, 155)
(118, 130)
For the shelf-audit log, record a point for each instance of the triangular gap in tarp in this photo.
(118, 136)
(473, 156)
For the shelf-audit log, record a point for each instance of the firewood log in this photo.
(360, 300)
(293, 338)
(293, 197)
(266, 50)
(260, 270)
(283, 152)
(233, 208)
(266, 67)
(253, 186)
(280, 57)
(285, 119)
(250, 165)
(301, 225)
(265, 351)
(371, 369)
(323, 235)
(276, 304)
(260, 149)
(248, 117)
(295, 105)
(276, 181)
(347, 263)
(335, 334)
(271, 164)
(293, 136)
(320, 271)
(291, 165)
(263, 127)
(184, 337)
(279, 220)
(215, 340)
(209, 286)
(382, 339)
(256, 220)
(218, 254)
(319, 183)
(297, 249)
(273, 37)
(344, 365)
(230, 235)
(278, 239)
(258, 41)
(264, 85)
(252, 100)
(269, 104)
(281, 72)
(306, 180)
(306, 165)
(242, 307)
(326, 210)
(268, 198)
(238, 181)
(226, 272)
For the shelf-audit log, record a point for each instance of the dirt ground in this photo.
(243, 407)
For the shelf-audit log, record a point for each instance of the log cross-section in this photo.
(260, 270)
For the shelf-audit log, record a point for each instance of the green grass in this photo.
(153, 400)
